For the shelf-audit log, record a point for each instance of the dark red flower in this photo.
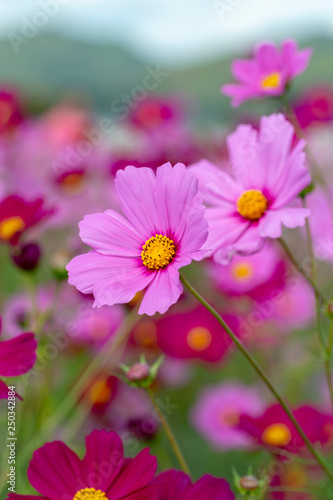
(17, 215)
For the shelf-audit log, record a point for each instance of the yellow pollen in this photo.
(158, 252)
(199, 338)
(252, 204)
(10, 226)
(271, 81)
(242, 271)
(100, 392)
(276, 435)
(90, 494)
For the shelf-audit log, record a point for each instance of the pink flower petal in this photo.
(111, 234)
(164, 290)
(135, 474)
(55, 471)
(271, 223)
(103, 459)
(17, 355)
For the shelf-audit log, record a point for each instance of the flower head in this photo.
(17, 215)
(55, 471)
(273, 429)
(268, 73)
(216, 414)
(178, 486)
(254, 204)
(164, 230)
(199, 335)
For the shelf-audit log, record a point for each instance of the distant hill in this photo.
(51, 67)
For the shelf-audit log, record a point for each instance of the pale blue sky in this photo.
(177, 30)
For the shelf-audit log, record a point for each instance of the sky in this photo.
(173, 31)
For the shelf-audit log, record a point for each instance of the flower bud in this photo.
(27, 256)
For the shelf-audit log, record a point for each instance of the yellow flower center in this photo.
(242, 271)
(276, 435)
(73, 183)
(199, 338)
(271, 81)
(100, 392)
(10, 226)
(90, 494)
(252, 204)
(158, 252)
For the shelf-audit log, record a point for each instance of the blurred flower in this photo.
(55, 471)
(10, 111)
(315, 105)
(194, 334)
(17, 356)
(273, 428)
(296, 476)
(253, 205)
(321, 224)
(100, 392)
(216, 413)
(164, 230)
(246, 272)
(268, 73)
(178, 486)
(27, 256)
(17, 215)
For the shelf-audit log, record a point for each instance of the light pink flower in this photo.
(164, 230)
(216, 414)
(254, 204)
(268, 73)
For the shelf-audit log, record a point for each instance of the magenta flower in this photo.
(268, 74)
(17, 215)
(56, 472)
(176, 485)
(273, 428)
(217, 411)
(199, 335)
(17, 356)
(164, 230)
(254, 204)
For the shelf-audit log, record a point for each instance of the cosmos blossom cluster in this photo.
(107, 337)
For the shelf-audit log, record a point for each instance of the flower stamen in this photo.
(90, 494)
(10, 226)
(252, 204)
(276, 435)
(271, 81)
(158, 252)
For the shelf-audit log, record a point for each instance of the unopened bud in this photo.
(249, 483)
(138, 372)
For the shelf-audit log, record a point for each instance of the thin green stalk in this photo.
(319, 459)
(325, 349)
(170, 434)
(94, 368)
(301, 270)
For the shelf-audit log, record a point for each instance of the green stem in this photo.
(170, 434)
(93, 369)
(319, 459)
(302, 272)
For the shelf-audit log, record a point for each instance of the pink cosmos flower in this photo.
(17, 356)
(164, 230)
(321, 224)
(17, 215)
(10, 111)
(246, 273)
(199, 335)
(268, 73)
(176, 485)
(314, 106)
(273, 428)
(216, 414)
(254, 204)
(56, 472)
